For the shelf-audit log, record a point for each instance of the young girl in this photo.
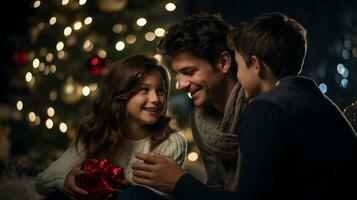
(129, 116)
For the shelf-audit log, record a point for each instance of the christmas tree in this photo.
(71, 44)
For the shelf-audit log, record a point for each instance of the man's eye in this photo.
(189, 72)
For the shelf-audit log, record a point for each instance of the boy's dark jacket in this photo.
(294, 143)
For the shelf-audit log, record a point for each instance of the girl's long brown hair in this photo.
(101, 133)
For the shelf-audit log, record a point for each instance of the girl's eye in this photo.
(145, 89)
(162, 91)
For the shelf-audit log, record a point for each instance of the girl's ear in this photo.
(224, 62)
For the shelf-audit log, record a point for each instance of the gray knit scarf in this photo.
(220, 135)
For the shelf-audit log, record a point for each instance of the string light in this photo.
(19, 105)
(52, 95)
(88, 20)
(49, 123)
(158, 57)
(85, 91)
(28, 76)
(35, 63)
(65, 2)
(87, 45)
(67, 31)
(150, 36)
(102, 53)
(120, 45)
(170, 7)
(32, 116)
(59, 46)
(130, 39)
(77, 25)
(82, 2)
(53, 68)
(61, 55)
(49, 57)
(159, 32)
(36, 4)
(50, 111)
(53, 20)
(63, 127)
(141, 22)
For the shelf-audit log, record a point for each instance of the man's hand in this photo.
(157, 171)
(71, 189)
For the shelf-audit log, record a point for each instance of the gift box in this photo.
(101, 178)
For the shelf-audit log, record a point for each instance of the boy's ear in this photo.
(224, 62)
(258, 66)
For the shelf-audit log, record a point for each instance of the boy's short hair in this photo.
(204, 35)
(274, 38)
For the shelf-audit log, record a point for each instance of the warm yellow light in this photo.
(170, 7)
(53, 20)
(141, 22)
(65, 2)
(35, 63)
(28, 76)
(59, 46)
(87, 45)
(49, 57)
(50, 111)
(36, 4)
(37, 121)
(85, 91)
(131, 39)
(118, 28)
(41, 67)
(193, 156)
(61, 55)
(77, 26)
(19, 105)
(88, 20)
(49, 123)
(120, 45)
(32, 116)
(159, 32)
(63, 127)
(150, 36)
(102, 53)
(67, 31)
(93, 86)
(158, 57)
(82, 2)
(53, 68)
(53, 95)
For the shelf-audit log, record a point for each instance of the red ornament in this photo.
(97, 65)
(20, 58)
(100, 178)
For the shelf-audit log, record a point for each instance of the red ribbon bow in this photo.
(100, 178)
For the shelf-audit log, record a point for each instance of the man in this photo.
(206, 69)
(294, 141)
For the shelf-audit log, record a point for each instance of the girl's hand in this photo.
(71, 189)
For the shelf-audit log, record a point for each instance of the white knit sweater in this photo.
(52, 179)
